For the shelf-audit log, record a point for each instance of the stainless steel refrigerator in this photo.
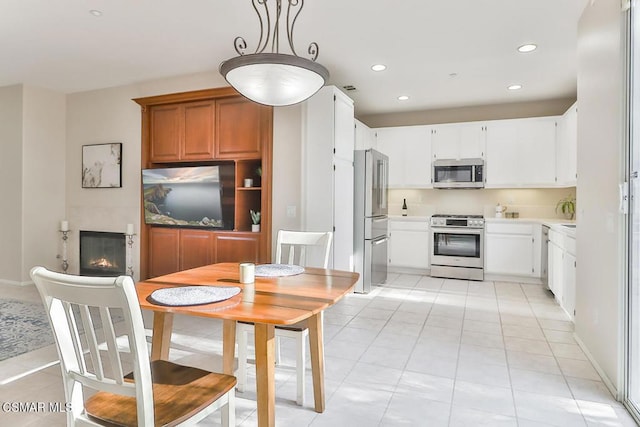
(371, 225)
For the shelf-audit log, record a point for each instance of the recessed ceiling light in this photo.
(515, 87)
(379, 67)
(403, 98)
(527, 48)
(95, 12)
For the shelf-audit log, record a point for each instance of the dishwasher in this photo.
(544, 256)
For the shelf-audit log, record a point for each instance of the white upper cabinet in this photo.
(521, 153)
(458, 141)
(365, 136)
(567, 148)
(409, 151)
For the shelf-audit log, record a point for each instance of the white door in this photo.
(343, 127)
(388, 142)
(537, 151)
(569, 291)
(409, 249)
(501, 167)
(472, 140)
(444, 142)
(556, 271)
(417, 157)
(343, 215)
(509, 254)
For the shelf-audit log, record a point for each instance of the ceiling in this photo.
(441, 53)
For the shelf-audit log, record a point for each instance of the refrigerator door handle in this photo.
(380, 240)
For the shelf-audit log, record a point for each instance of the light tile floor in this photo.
(419, 351)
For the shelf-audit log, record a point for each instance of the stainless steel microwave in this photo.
(463, 173)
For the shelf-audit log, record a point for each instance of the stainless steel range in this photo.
(457, 246)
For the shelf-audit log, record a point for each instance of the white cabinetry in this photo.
(567, 148)
(409, 244)
(458, 141)
(409, 152)
(521, 153)
(328, 171)
(512, 249)
(562, 269)
(365, 136)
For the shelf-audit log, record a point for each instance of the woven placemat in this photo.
(278, 270)
(193, 295)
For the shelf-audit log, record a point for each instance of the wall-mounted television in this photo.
(187, 197)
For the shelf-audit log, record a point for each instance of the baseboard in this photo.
(408, 270)
(15, 283)
(597, 367)
(516, 279)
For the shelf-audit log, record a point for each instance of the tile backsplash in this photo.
(528, 202)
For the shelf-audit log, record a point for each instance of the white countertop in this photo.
(555, 223)
(409, 218)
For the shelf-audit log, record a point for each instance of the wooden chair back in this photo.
(80, 306)
(85, 311)
(306, 248)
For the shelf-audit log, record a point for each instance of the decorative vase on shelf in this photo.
(255, 219)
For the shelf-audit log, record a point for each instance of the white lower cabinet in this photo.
(512, 249)
(555, 266)
(562, 270)
(409, 244)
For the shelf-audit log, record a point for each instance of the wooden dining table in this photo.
(267, 302)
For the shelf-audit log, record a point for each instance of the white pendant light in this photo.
(274, 78)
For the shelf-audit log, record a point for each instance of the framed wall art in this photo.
(102, 165)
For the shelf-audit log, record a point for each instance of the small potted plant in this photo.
(255, 220)
(567, 207)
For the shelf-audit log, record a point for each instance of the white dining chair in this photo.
(80, 310)
(305, 248)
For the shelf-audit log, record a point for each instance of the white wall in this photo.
(32, 169)
(599, 239)
(11, 184)
(97, 117)
(287, 144)
(514, 110)
(43, 177)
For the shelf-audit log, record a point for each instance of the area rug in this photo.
(24, 327)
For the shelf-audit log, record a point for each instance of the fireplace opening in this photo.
(102, 254)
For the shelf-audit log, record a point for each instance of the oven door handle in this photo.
(461, 230)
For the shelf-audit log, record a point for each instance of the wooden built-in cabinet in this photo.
(182, 132)
(175, 249)
(238, 124)
(203, 128)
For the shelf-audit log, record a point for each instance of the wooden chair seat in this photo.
(297, 327)
(179, 392)
(158, 393)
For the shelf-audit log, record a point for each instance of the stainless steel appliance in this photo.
(457, 246)
(544, 256)
(463, 173)
(370, 228)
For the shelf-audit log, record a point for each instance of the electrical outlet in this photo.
(291, 211)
